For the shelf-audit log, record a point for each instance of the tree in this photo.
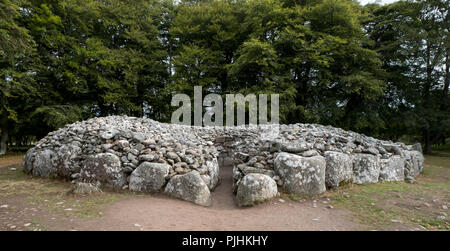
(412, 38)
(15, 87)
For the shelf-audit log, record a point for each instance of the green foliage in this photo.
(50, 118)
(379, 70)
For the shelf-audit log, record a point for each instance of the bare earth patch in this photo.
(28, 203)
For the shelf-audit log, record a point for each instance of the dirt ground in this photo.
(29, 203)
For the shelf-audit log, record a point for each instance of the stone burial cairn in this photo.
(143, 155)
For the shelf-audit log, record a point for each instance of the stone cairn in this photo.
(143, 155)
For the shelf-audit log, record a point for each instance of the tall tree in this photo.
(412, 37)
(15, 44)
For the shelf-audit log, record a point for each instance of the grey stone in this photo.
(105, 168)
(189, 187)
(392, 169)
(414, 163)
(255, 188)
(67, 160)
(294, 148)
(28, 160)
(42, 164)
(149, 177)
(139, 137)
(212, 167)
(366, 168)
(300, 174)
(109, 134)
(86, 188)
(339, 169)
(309, 153)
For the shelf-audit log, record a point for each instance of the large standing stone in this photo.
(300, 174)
(213, 173)
(149, 177)
(42, 164)
(103, 167)
(28, 160)
(67, 160)
(414, 164)
(189, 187)
(254, 188)
(366, 169)
(392, 169)
(339, 169)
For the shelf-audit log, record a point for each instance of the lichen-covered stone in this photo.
(189, 187)
(67, 162)
(414, 164)
(392, 169)
(339, 169)
(366, 168)
(28, 160)
(105, 168)
(149, 177)
(86, 188)
(254, 188)
(300, 174)
(42, 164)
(213, 173)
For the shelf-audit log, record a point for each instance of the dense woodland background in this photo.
(379, 70)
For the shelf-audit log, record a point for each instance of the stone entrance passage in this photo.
(222, 196)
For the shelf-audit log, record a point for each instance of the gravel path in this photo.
(161, 213)
(158, 212)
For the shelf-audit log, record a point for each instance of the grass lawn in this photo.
(400, 205)
(387, 206)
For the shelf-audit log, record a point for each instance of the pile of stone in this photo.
(144, 155)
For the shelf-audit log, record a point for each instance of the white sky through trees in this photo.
(364, 2)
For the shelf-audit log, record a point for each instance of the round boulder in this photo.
(42, 164)
(190, 187)
(254, 188)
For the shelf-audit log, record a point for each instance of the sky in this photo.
(363, 2)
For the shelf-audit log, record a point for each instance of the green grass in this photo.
(47, 193)
(381, 206)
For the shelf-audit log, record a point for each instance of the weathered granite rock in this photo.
(86, 188)
(254, 188)
(190, 187)
(105, 168)
(28, 160)
(414, 164)
(392, 169)
(213, 173)
(42, 164)
(366, 168)
(67, 160)
(339, 170)
(149, 177)
(300, 174)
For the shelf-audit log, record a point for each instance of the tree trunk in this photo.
(426, 99)
(4, 133)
